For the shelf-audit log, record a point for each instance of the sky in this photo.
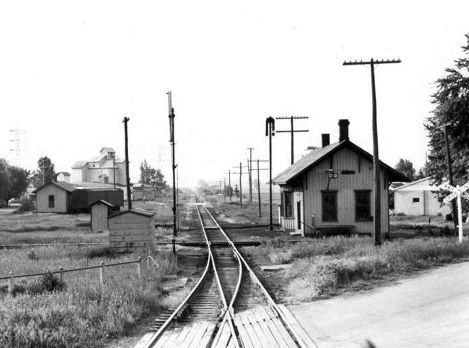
(71, 70)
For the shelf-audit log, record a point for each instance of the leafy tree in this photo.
(4, 180)
(152, 177)
(19, 181)
(452, 109)
(406, 167)
(45, 172)
(13, 181)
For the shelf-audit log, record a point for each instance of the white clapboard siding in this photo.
(345, 185)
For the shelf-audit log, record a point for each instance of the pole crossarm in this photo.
(294, 131)
(289, 117)
(372, 61)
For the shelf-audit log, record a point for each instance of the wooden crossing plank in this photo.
(224, 337)
(190, 335)
(243, 333)
(261, 313)
(143, 342)
(163, 338)
(262, 335)
(182, 336)
(173, 337)
(252, 334)
(297, 328)
(266, 325)
(277, 325)
(200, 334)
(208, 335)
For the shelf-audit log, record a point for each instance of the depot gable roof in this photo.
(314, 157)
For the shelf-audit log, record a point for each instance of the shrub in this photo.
(47, 283)
(104, 251)
(27, 204)
(31, 255)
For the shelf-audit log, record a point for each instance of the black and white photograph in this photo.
(234, 174)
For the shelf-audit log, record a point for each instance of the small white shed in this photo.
(419, 198)
(100, 210)
(131, 229)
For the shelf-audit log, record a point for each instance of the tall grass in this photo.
(80, 315)
(321, 268)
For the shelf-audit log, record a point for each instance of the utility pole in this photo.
(376, 164)
(173, 160)
(449, 164)
(240, 182)
(129, 197)
(270, 131)
(292, 131)
(259, 184)
(229, 184)
(240, 186)
(114, 169)
(250, 173)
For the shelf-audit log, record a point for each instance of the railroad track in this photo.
(229, 306)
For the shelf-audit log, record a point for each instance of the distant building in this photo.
(63, 176)
(63, 197)
(145, 193)
(332, 188)
(419, 198)
(101, 169)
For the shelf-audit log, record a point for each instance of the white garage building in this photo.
(419, 198)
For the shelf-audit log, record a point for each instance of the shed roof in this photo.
(102, 201)
(134, 211)
(61, 184)
(79, 164)
(418, 185)
(316, 156)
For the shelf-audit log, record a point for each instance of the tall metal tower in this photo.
(16, 141)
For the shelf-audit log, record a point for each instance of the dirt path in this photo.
(428, 310)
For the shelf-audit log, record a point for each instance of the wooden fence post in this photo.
(61, 275)
(139, 267)
(101, 276)
(11, 283)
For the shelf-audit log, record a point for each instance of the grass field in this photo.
(324, 267)
(77, 314)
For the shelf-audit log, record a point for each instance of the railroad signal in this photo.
(173, 160)
(456, 192)
(270, 132)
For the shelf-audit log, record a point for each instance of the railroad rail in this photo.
(247, 314)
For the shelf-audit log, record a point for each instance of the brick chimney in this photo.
(326, 139)
(343, 129)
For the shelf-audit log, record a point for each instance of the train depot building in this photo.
(69, 198)
(330, 189)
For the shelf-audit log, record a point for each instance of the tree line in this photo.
(15, 180)
(451, 101)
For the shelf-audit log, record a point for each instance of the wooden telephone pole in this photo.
(250, 173)
(376, 164)
(259, 184)
(230, 190)
(173, 160)
(129, 197)
(240, 182)
(449, 164)
(292, 131)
